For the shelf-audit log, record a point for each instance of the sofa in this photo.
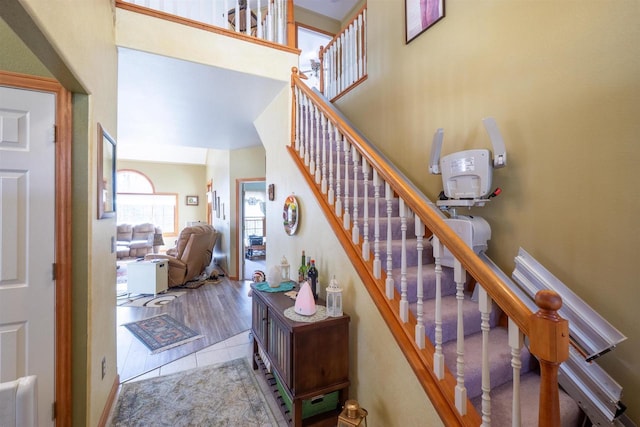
(191, 255)
(135, 241)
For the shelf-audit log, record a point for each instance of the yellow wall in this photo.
(184, 180)
(561, 79)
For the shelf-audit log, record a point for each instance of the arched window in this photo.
(138, 202)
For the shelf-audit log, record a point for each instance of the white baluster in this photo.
(377, 264)
(420, 309)
(237, 17)
(299, 109)
(355, 229)
(259, 33)
(338, 207)
(389, 283)
(332, 192)
(404, 303)
(305, 131)
(247, 21)
(516, 339)
(323, 186)
(461, 391)
(318, 127)
(359, 44)
(484, 304)
(438, 356)
(270, 20)
(314, 140)
(346, 218)
(365, 215)
(364, 42)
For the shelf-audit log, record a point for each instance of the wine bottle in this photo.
(313, 277)
(302, 270)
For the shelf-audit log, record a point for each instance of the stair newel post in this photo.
(460, 275)
(377, 265)
(420, 310)
(323, 185)
(404, 302)
(516, 341)
(338, 206)
(549, 337)
(389, 283)
(291, 25)
(438, 356)
(484, 305)
(331, 195)
(366, 250)
(346, 217)
(355, 229)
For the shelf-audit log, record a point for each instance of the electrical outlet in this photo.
(104, 367)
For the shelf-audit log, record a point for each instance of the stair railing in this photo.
(329, 156)
(270, 20)
(344, 59)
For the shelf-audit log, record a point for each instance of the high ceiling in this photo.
(166, 103)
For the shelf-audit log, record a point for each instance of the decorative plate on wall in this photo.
(290, 215)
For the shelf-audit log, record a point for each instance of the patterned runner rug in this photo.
(161, 332)
(226, 394)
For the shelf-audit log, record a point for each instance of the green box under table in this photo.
(311, 407)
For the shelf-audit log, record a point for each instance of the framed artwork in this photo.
(291, 215)
(192, 200)
(420, 15)
(106, 174)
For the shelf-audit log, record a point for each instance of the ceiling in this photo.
(165, 103)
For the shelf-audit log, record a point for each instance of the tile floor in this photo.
(233, 348)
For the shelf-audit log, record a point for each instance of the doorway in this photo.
(252, 238)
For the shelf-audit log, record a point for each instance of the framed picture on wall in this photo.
(192, 200)
(420, 15)
(106, 190)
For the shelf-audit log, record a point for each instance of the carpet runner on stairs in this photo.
(501, 371)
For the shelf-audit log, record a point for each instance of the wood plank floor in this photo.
(217, 311)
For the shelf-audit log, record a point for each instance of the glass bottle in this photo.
(302, 270)
(313, 277)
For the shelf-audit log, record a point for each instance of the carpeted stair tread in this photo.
(499, 360)
(382, 206)
(501, 398)
(428, 282)
(412, 252)
(449, 311)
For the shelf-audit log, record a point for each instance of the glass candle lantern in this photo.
(334, 299)
(285, 270)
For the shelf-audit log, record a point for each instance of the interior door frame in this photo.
(63, 238)
(240, 223)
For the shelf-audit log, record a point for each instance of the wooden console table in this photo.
(309, 359)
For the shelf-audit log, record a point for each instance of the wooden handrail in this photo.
(545, 328)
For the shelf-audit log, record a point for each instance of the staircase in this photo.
(460, 323)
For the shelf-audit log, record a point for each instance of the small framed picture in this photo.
(420, 15)
(192, 200)
(272, 192)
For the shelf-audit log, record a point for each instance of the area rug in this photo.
(226, 394)
(161, 332)
(160, 300)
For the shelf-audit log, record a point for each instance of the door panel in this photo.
(27, 233)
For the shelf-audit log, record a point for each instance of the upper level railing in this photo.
(344, 58)
(268, 20)
(372, 206)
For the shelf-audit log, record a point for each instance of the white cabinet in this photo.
(147, 277)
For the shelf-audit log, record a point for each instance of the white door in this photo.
(27, 232)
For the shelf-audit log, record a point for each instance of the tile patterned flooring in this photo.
(235, 347)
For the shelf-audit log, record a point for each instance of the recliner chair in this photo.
(192, 254)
